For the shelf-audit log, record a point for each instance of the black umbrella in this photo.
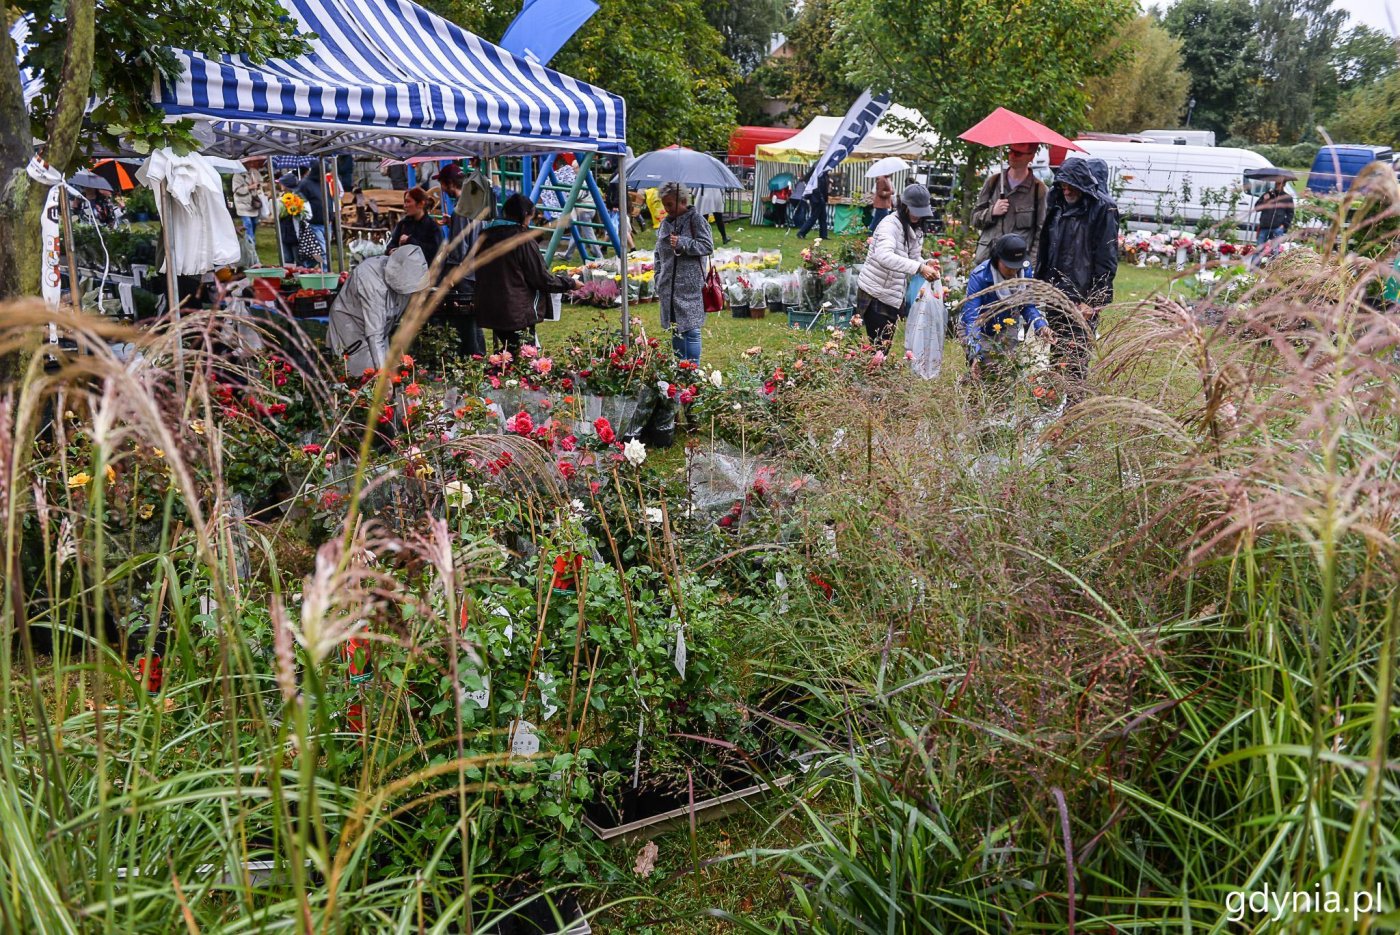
(89, 180)
(1270, 172)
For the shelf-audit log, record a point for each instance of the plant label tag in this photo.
(481, 697)
(680, 651)
(547, 702)
(780, 582)
(524, 742)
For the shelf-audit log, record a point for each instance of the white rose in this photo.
(635, 452)
(717, 379)
(654, 515)
(458, 494)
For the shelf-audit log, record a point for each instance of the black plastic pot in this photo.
(739, 311)
(660, 431)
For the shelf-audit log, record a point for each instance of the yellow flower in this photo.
(145, 511)
(1008, 321)
(197, 426)
(997, 328)
(158, 452)
(81, 479)
(111, 474)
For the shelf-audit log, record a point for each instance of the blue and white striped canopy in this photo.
(30, 85)
(388, 76)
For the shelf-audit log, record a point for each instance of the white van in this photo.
(1160, 186)
(1181, 137)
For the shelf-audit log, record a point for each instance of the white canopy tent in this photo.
(797, 154)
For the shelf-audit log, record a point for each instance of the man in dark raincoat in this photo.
(1078, 253)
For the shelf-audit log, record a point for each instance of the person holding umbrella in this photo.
(681, 244)
(1275, 209)
(1012, 201)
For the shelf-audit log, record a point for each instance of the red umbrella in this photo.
(1006, 127)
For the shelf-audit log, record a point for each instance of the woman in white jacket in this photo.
(895, 254)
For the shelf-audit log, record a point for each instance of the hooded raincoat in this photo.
(370, 304)
(1078, 249)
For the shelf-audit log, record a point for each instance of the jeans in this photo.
(877, 216)
(1269, 233)
(686, 344)
(816, 214)
(250, 227)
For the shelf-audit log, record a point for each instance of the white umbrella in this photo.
(887, 166)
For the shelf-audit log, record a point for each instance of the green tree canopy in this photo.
(810, 71)
(1147, 89)
(1219, 54)
(111, 51)
(748, 28)
(1370, 114)
(957, 60)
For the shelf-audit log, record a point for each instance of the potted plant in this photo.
(141, 204)
(773, 295)
(738, 294)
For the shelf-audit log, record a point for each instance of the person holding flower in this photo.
(994, 310)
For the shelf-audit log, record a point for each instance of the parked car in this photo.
(1163, 185)
(1336, 166)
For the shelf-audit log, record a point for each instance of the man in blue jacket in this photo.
(990, 315)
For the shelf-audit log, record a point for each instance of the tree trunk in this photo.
(20, 199)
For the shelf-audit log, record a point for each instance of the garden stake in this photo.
(621, 574)
(534, 653)
(578, 646)
(587, 696)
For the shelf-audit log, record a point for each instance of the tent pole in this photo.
(277, 223)
(66, 213)
(623, 206)
(326, 224)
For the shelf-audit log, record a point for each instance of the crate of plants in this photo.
(311, 303)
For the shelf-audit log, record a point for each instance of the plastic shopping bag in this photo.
(924, 332)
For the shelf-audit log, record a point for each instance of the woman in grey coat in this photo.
(683, 239)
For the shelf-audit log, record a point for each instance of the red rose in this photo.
(605, 431)
(567, 469)
(311, 449)
(726, 521)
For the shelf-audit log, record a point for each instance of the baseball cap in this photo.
(1010, 249)
(451, 174)
(916, 199)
